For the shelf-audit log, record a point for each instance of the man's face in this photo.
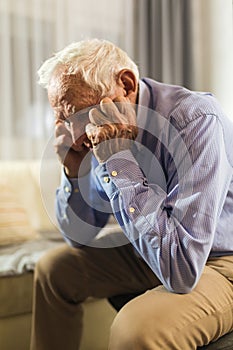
(70, 98)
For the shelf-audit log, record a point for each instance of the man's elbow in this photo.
(184, 287)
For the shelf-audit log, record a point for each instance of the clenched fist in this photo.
(112, 128)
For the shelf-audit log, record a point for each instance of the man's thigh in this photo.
(161, 320)
(97, 272)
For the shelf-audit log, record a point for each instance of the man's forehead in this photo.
(65, 87)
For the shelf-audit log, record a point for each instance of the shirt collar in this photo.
(143, 104)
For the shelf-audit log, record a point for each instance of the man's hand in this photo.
(112, 128)
(71, 158)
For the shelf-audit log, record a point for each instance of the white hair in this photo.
(98, 63)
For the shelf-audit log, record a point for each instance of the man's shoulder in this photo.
(181, 104)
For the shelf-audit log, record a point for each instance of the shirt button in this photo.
(114, 173)
(131, 210)
(106, 179)
(67, 189)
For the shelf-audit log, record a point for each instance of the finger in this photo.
(91, 130)
(109, 108)
(120, 110)
(123, 104)
(60, 129)
(62, 141)
(98, 118)
(127, 109)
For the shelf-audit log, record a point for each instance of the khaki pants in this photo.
(157, 319)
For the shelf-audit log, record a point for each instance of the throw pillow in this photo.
(15, 226)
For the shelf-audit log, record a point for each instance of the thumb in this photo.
(98, 118)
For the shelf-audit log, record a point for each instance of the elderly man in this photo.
(159, 158)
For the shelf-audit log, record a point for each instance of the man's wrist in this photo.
(74, 174)
(70, 173)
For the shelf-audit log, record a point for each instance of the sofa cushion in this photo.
(15, 226)
(15, 294)
(35, 185)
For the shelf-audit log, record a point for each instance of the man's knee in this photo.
(138, 326)
(127, 331)
(52, 272)
(47, 266)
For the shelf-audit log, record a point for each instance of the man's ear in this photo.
(128, 81)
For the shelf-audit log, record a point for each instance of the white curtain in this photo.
(185, 42)
(30, 31)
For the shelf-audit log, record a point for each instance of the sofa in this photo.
(27, 230)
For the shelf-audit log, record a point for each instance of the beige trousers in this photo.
(156, 320)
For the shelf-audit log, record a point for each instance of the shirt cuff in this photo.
(120, 171)
(73, 186)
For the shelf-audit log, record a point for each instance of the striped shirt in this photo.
(172, 193)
